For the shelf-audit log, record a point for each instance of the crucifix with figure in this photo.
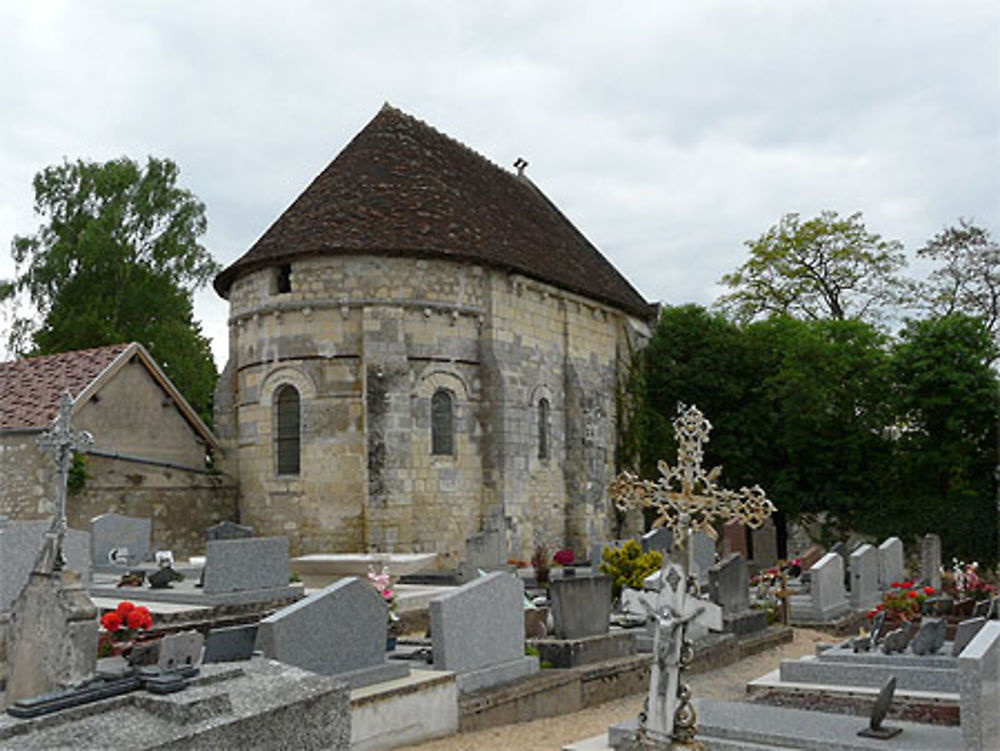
(686, 499)
(60, 441)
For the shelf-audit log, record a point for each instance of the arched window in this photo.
(543, 428)
(287, 433)
(442, 424)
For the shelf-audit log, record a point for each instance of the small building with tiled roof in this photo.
(150, 446)
(423, 347)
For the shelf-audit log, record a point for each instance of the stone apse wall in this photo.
(366, 341)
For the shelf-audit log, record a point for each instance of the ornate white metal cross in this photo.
(686, 499)
(61, 441)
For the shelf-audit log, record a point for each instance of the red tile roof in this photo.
(30, 388)
(402, 188)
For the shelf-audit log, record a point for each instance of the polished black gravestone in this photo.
(875, 728)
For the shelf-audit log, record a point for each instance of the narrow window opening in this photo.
(282, 280)
(543, 429)
(442, 424)
(287, 436)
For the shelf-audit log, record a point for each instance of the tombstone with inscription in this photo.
(734, 538)
(930, 561)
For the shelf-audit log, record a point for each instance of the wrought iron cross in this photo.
(61, 441)
(686, 499)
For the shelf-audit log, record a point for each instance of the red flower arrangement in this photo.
(122, 625)
(563, 557)
(902, 602)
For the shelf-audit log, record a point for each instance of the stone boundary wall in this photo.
(181, 503)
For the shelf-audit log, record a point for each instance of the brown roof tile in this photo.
(30, 388)
(400, 187)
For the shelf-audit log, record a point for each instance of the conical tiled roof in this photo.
(401, 188)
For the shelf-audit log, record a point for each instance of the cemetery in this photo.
(374, 545)
(107, 636)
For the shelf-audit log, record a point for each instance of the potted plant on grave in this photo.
(965, 586)
(121, 628)
(901, 604)
(382, 582)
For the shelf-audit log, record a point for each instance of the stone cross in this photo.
(686, 498)
(60, 441)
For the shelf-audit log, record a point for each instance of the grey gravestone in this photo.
(230, 643)
(979, 677)
(879, 711)
(826, 599)
(864, 577)
(20, 543)
(111, 531)
(239, 565)
(735, 538)
(180, 650)
(728, 583)
(765, 545)
(930, 561)
(704, 556)
(477, 630)
(484, 551)
(930, 637)
(890, 563)
(658, 539)
(338, 631)
(896, 640)
(840, 549)
(227, 530)
(964, 633)
(581, 606)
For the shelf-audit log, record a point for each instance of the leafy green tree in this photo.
(826, 267)
(968, 277)
(947, 401)
(117, 259)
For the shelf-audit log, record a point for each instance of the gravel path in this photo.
(552, 733)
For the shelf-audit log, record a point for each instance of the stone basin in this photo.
(320, 569)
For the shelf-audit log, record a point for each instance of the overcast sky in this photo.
(668, 132)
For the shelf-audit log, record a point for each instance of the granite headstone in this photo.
(728, 583)
(890, 563)
(477, 631)
(930, 561)
(116, 531)
(864, 578)
(581, 605)
(965, 632)
(240, 565)
(228, 530)
(339, 631)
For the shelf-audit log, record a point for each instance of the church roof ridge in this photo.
(401, 187)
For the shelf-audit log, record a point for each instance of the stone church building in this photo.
(421, 347)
